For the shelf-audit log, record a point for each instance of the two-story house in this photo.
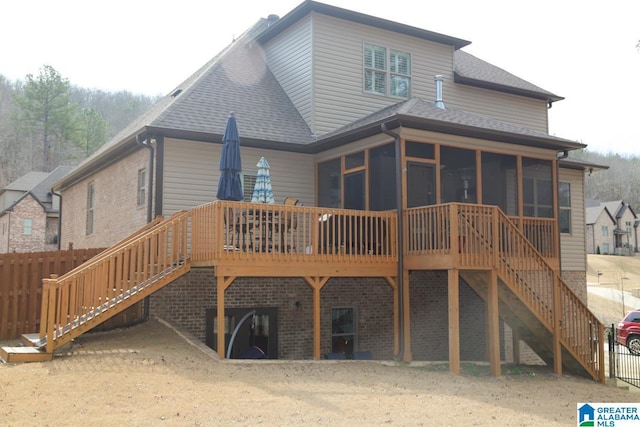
(433, 199)
(29, 213)
(612, 228)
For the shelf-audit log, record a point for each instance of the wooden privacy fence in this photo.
(21, 277)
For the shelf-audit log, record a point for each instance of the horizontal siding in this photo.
(289, 59)
(338, 96)
(526, 112)
(191, 174)
(338, 69)
(573, 247)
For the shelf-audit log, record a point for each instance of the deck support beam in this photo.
(316, 284)
(223, 282)
(454, 321)
(396, 314)
(493, 324)
(407, 356)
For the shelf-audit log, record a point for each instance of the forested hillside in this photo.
(46, 121)
(620, 182)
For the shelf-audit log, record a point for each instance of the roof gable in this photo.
(593, 213)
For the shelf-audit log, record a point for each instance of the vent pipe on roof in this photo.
(439, 101)
(271, 19)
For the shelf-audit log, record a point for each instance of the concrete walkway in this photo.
(614, 295)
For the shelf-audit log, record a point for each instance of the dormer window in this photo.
(387, 71)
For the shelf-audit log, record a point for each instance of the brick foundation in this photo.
(185, 302)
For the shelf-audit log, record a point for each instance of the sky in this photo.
(584, 51)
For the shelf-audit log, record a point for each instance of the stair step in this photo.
(24, 354)
(33, 340)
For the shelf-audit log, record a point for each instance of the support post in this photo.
(222, 284)
(493, 324)
(407, 356)
(316, 284)
(454, 321)
(557, 329)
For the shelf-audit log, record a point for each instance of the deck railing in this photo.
(210, 234)
(484, 237)
(225, 230)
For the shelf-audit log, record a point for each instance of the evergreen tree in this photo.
(47, 114)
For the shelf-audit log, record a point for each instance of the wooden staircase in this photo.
(106, 285)
(533, 299)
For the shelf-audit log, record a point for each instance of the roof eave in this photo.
(398, 120)
(311, 6)
(101, 161)
(549, 97)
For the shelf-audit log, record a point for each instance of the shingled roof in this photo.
(420, 114)
(238, 80)
(473, 71)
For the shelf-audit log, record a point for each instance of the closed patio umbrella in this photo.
(229, 186)
(262, 191)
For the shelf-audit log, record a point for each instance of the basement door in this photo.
(259, 329)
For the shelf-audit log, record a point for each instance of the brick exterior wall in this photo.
(17, 241)
(5, 221)
(116, 213)
(577, 281)
(186, 301)
(430, 314)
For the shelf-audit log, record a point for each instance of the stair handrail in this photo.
(110, 277)
(582, 336)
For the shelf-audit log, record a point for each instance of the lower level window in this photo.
(343, 330)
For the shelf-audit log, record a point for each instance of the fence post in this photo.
(612, 351)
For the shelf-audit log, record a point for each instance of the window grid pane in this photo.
(28, 226)
(400, 63)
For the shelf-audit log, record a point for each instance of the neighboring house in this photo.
(612, 227)
(341, 104)
(600, 226)
(29, 215)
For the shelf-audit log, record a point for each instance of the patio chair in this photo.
(291, 223)
(240, 230)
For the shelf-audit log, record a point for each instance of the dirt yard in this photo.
(150, 375)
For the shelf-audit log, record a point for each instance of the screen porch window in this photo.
(537, 188)
(564, 199)
(387, 71)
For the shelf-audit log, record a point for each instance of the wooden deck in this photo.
(256, 240)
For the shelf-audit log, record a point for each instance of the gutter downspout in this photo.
(401, 290)
(59, 217)
(147, 144)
